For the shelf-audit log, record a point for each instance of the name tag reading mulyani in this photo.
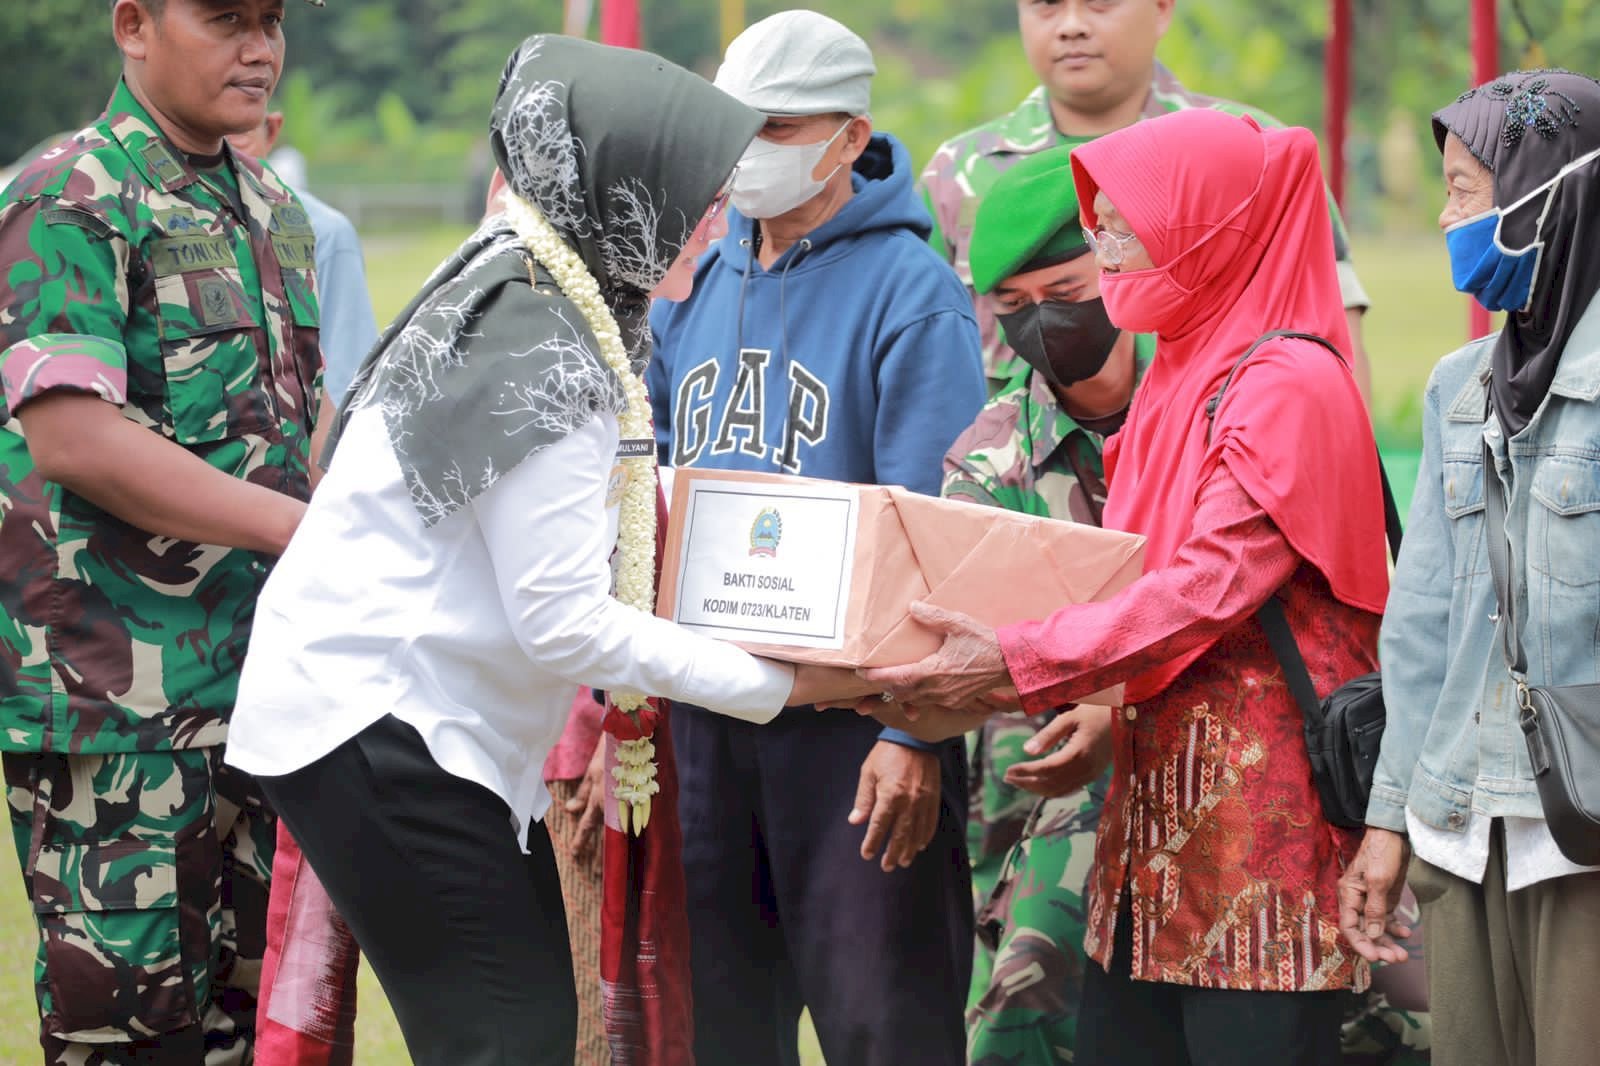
(767, 564)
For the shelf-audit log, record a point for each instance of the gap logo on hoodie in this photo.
(740, 424)
(853, 357)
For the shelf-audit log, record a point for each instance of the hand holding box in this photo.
(824, 572)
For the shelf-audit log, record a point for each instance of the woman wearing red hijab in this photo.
(1212, 905)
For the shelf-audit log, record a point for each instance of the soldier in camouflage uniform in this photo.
(1036, 449)
(1096, 62)
(159, 374)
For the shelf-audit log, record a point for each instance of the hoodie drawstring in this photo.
(794, 257)
(744, 283)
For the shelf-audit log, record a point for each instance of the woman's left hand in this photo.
(1084, 733)
(968, 671)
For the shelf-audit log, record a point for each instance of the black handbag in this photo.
(1561, 723)
(1345, 730)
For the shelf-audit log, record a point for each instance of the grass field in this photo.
(1416, 318)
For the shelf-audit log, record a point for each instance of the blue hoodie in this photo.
(855, 357)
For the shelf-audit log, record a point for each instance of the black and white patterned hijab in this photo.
(1525, 127)
(622, 152)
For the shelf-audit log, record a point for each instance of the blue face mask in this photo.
(1482, 268)
(1500, 278)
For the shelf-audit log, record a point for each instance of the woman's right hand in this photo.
(827, 685)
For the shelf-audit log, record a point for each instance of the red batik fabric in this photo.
(1211, 819)
(644, 935)
(306, 1010)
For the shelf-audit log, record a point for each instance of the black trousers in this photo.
(466, 933)
(1123, 1022)
(785, 914)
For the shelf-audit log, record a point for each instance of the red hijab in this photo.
(1235, 218)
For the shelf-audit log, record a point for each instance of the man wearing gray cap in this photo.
(824, 338)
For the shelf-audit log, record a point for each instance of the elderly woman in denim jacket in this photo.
(1513, 927)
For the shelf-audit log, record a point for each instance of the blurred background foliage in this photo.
(388, 101)
(396, 91)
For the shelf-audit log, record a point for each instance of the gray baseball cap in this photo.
(799, 63)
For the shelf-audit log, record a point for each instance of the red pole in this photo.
(1336, 93)
(619, 23)
(1485, 65)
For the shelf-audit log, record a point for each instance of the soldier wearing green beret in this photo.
(160, 374)
(1036, 448)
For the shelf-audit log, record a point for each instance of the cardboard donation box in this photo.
(823, 572)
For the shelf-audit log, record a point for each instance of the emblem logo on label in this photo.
(765, 533)
(286, 218)
(178, 220)
(216, 306)
(616, 485)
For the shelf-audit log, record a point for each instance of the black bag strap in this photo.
(1391, 510)
(1270, 614)
(1281, 639)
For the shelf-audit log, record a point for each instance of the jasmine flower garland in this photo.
(636, 536)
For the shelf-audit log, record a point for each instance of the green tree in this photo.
(57, 65)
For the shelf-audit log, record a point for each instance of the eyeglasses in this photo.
(1112, 247)
(721, 201)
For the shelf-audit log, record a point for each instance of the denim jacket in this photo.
(1452, 745)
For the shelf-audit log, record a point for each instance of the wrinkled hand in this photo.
(1369, 892)
(591, 800)
(1084, 735)
(968, 670)
(898, 797)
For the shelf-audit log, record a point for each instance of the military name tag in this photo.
(176, 255)
(636, 448)
(296, 252)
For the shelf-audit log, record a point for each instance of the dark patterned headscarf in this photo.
(622, 152)
(1525, 127)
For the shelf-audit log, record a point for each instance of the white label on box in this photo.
(767, 564)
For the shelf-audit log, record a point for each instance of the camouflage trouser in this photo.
(1028, 970)
(996, 815)
(1377, 1033)
(1034, 924)
(148, 876)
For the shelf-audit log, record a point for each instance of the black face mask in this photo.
(1066, 342)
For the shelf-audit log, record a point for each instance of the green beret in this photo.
(1028, 219)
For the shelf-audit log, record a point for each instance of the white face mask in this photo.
(774, 179)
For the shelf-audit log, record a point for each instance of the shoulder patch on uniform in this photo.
(216, 301)
(290, 218)
(176, 221)
(61, 215)
(162, 163)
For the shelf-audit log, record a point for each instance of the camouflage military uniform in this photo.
(964, 167)
(1029, 856)
(185, 297)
